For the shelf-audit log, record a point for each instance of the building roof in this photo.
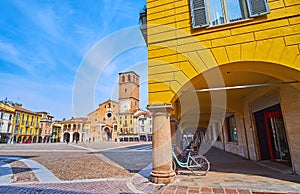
(76, 120)
(109, 100)
(21, 109)
(2, 109)
(141, 112)
(129, 72)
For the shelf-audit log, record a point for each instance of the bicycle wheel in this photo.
(199, 165)
(173, 165)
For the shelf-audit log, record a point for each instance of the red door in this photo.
(276, 136)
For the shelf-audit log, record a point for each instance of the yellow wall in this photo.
(26, 125)
(177, 53)
(125, 117)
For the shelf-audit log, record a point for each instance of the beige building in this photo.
(104, 122)
(143, 125)
(75, 129)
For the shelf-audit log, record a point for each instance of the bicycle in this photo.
(195, 162)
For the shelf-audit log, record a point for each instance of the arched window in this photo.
(128, 77)
(109, 105)
(123, 78)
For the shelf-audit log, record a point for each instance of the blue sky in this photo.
(44, 43)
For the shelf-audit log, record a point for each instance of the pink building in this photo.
(46, 127)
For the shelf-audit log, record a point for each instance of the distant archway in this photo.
(66, 136)
(76, 137)
(107, 133)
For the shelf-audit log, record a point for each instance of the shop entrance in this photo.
(272, 135)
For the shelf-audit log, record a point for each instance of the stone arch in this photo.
(108, 134)
(76, 137)
(234, 74)
(66, 136)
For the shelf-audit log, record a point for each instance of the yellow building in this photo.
(26, 127)
(230, 69)
(56, 131)
(126, 128)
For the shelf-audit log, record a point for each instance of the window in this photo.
(16, 130)
(1, 116)
(231, 129)
(8, 127)
(128, 78)
(123, 78)
(10, 117)
(216, 12)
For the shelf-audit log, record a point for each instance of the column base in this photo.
(162, 177)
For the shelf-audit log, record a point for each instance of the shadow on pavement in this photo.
(222, 161)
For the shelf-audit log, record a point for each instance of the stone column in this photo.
(162, 171)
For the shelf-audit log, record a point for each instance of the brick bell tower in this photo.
(129, 95)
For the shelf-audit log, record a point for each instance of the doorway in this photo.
(271, 132)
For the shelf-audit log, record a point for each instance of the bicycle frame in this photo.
(183, 164)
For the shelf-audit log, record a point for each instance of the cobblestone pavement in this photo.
(103, 186)
(229, 173)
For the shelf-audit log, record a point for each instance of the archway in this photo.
(66, 136)
(108, 134)
(76, 137)
(252, 90)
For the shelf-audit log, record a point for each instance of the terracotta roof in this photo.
(109, 100)
(76, 120)
(21, 109)
(6, 110)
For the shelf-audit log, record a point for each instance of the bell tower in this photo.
(129, 87)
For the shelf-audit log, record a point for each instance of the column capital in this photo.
(166, 107)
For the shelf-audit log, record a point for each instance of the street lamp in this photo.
(143, 23)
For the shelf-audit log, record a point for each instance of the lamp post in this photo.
(143, 23)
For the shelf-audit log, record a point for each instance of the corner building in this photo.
(234, 70)
(26, 125)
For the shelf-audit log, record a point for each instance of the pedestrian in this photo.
(77, 140)
(67, 140)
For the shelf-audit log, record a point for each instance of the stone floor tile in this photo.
(241, 191)
(218, 190)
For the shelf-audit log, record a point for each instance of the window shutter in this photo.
(258, 7)
(198, 13)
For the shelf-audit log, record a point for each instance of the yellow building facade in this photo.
(26, 128)
(236, 73)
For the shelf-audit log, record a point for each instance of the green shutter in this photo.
(258, 7)
(198, 13)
